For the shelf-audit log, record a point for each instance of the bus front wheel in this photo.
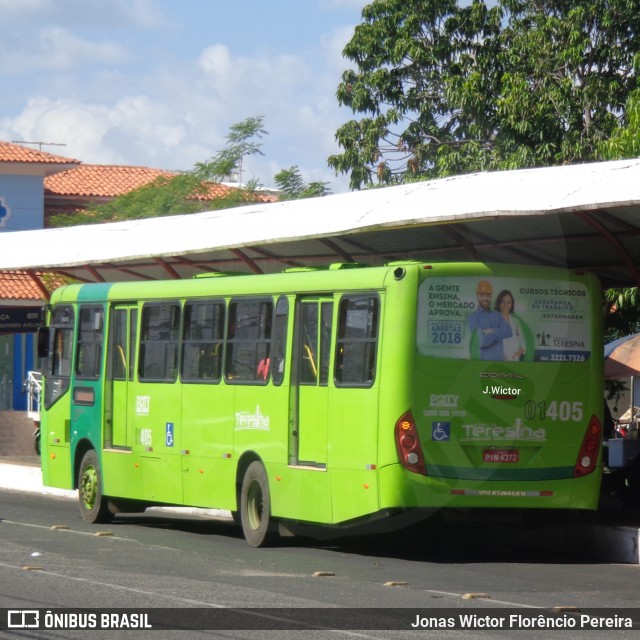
(94, 507)
(255, 506)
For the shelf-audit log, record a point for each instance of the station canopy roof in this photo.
(584, 216)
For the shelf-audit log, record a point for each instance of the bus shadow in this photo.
(534, 540)
(193, 524)
(539, 538)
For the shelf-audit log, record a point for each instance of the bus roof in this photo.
(335, 278)
(579, 216)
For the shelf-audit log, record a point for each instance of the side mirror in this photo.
(43, 342)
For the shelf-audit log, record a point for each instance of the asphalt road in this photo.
(50, 559)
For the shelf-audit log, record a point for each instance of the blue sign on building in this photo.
(5, 212)
(21, 202)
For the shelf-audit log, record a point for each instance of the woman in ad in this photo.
(514, 348)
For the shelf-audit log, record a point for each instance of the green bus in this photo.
(338, 396)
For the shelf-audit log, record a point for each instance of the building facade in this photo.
(22, 175)
(36, 187)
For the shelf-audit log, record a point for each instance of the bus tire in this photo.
(255, 506)
(94, 507)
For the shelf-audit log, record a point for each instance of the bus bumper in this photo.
(402, 488)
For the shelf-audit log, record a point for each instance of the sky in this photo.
(158, 83)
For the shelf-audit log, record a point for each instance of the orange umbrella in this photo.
(622, 358)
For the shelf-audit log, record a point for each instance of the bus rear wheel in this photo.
(255, 506)
(94, 507)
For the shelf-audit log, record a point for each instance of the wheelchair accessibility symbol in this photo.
(168, 439)
(441, 431)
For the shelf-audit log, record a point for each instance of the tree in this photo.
(186, 192)
(242, 141)
(623, 305)
(622, 312)
(624, 141)
(442, 88)
(445, 89)
(293, 187)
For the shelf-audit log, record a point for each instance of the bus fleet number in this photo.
(144, 436)
(564, 411)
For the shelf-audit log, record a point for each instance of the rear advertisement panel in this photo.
(504, 319)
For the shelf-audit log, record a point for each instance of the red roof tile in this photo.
(109, 181)
(18, 285)
(17, 153)
(100, 181)
(216, 190)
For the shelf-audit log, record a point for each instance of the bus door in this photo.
(122, 340)
(309, 388)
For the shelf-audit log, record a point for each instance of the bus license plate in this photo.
(500, 455)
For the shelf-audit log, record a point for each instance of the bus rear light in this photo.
(408, 445)
(407, 441)
(588, 455)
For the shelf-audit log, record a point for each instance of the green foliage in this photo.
(186, 192)
(625, 139)
(444, 87)
(441, 87)
(293, 187)
(242, 141)
(622, 316)
(164, 196)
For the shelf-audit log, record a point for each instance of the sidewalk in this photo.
(19, 464)
(24, 474)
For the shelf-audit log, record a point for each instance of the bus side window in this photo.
(62, 350)
(357, 341)
(58, 370)
(118, 345)
(326, 326)
(280, 340)
(309, 362)
(159, 340)
(202, 341)
(316, 326)
(133, 337)
(249, 341)
(90, 340)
